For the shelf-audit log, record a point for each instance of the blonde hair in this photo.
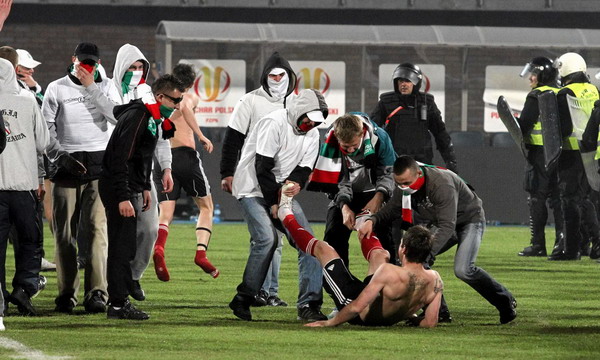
(347, 127)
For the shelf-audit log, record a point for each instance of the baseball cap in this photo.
(26, 60)
(316, 116)
(86, 50)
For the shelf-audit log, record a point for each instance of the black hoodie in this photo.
(127, 162)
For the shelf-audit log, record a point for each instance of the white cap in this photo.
(316, 116)
(277, 71)
(25, 59)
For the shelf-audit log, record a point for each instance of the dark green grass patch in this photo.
(558, 306)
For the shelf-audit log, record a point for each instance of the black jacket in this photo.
(127, 162)
(2, 135)
(409, 127)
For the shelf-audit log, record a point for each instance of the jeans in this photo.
(271, 284)
(263, 233)
(469, 239)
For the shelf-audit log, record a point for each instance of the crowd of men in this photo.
(119, 151)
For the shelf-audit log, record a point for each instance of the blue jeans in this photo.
(271, 283)
(264, 241)
(469, 239)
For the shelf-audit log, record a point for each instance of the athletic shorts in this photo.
(342, 286)
(188, 174)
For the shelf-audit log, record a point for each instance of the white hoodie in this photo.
(26, 134)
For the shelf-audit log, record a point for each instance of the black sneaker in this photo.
(510, 313)
(20, 298)
(310, 314)
(95, 303)
(261, 299)
(563, 256)
(595, 252)
(444, 317)
(64, 305)
(42, 281)
(126, 312)
(533, 251)
(276, 301)
(136, 291)
(240, 308)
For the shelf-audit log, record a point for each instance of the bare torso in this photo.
(404, 292)
(184, 135)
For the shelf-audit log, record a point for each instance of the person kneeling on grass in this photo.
(389, 293)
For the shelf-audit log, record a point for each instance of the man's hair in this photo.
(10, 54)
(403, 163)
(417, 241)
(166, 83)
(185, 74)
(347, 127)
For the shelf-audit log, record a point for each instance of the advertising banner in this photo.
(329, 77)
(434, 82)
(219, 85)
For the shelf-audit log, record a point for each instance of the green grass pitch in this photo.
(558, 307)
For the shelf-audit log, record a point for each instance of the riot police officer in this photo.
(540, 184)
(409, 116)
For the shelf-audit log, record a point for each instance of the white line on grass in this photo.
(23, 352)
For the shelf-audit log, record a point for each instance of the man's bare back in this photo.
(402, 291)
(184, 136)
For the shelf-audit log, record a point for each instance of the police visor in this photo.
(408, 74)
(530, 69)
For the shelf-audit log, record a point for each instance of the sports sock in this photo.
(303, 239)
(369, 244)
(160, 266)
(201, 259)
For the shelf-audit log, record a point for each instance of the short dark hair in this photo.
(166, 83)
(404, 162)
(417, 241)
(10, 54)
(185, 73)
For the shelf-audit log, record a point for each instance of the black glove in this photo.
(415, 320)
(73, 166)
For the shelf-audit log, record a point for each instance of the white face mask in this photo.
(131, 80)
(279, 89)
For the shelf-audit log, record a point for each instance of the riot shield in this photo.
(550, 127)
(507, 117)
(580, 110)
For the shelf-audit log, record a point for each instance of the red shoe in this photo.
(160, 266)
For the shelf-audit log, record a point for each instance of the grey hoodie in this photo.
(127, 55)
(26, 134)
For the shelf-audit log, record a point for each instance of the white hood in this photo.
(127, 55)
(8, 78)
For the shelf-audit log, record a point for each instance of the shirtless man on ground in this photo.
(390, 293)
(188, 174)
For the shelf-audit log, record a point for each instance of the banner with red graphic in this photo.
(219, 85)
(329, 77)
(434, 82)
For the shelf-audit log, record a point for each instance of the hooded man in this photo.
(278, 81)
(280, 149)
(129, 76)
(27, 136)
(78, 109)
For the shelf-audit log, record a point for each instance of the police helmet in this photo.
(570, 63)
(543, 68)
(409, 72)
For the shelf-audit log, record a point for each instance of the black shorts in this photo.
(187, 172)
(342, 286)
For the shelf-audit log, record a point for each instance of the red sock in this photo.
(202, 261)
(369, 244)
(303, 239)
(160, 266)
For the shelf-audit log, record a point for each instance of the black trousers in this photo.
(571, 174)
(338, 235)
(20, 208)
(121, 244)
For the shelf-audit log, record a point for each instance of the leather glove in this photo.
(73, 166)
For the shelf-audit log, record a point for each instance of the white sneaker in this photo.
(285, 203)
(47, 265)
(361, 218)
(2, 328)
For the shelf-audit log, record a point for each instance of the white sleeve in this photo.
(312, 152)
(269, 139)
(241, 117)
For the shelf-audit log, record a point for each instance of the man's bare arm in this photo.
(4, 11)
(350, 311)
(187, 106)
(433, 309)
